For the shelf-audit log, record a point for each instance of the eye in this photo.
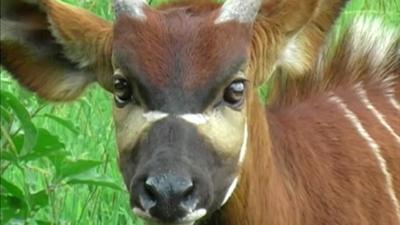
(234, 93)
(122, 91)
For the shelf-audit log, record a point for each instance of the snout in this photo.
(174, 174)
(170, 197)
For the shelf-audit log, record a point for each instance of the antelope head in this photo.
(180, 87)
(180, 76)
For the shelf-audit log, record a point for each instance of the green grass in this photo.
(91, 116)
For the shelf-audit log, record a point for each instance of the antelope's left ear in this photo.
(55, 49)
(306, 33)
(289, 34)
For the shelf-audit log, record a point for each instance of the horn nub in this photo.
(133, 8)
(242, 11)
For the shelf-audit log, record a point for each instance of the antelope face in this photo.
(180, 113)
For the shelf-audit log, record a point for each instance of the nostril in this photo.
(151, 189)
(185, 189)
(189, 191)
(165, 187)
(169, 197)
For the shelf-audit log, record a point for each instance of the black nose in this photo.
(168, 197)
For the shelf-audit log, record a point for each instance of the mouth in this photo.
(189, 219)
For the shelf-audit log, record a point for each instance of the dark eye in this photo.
(122, 91)
(234, 93)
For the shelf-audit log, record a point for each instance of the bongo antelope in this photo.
(196, 145)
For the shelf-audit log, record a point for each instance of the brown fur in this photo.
(306, 163)
(308, 23)
(181, 36)
(311, 166)
(76, 50)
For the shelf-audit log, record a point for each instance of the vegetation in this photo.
(59, 161)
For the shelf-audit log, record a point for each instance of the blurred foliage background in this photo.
(59, 161)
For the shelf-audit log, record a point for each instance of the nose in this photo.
(168, 187)
(168, 197)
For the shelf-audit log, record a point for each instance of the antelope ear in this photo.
(54, 49)
(289, 34)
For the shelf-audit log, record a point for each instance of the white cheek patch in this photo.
(227, 131)
(196, 119)
(130, 124)
(242, 156)
(154, 116)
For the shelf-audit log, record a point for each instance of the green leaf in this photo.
(42, 222)
(24, 118)
(11, 188)
(46, 145)
(11, 208)
(8, 156)
(58, 159)
(96, 180)
(18, 141)
(47, 142)
(70, 168)
(6, 214)
(65, 123)
(5, 115)
(39, 200)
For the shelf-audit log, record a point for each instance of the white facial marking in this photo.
(230, 191)
(224, 130)
(190, 219)
(196, 215)
(130, 123)
(374, 147)
(196, 119)
(142, 214)
(364, 98)
(243, 149)
(153, 116)
(242, 156)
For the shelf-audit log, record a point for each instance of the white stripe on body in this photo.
(374, 147)
(393, 101)
(364, 98)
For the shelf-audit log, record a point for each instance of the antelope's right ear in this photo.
(55, 49)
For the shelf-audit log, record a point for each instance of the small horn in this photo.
(242, 11)
(133, 8)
